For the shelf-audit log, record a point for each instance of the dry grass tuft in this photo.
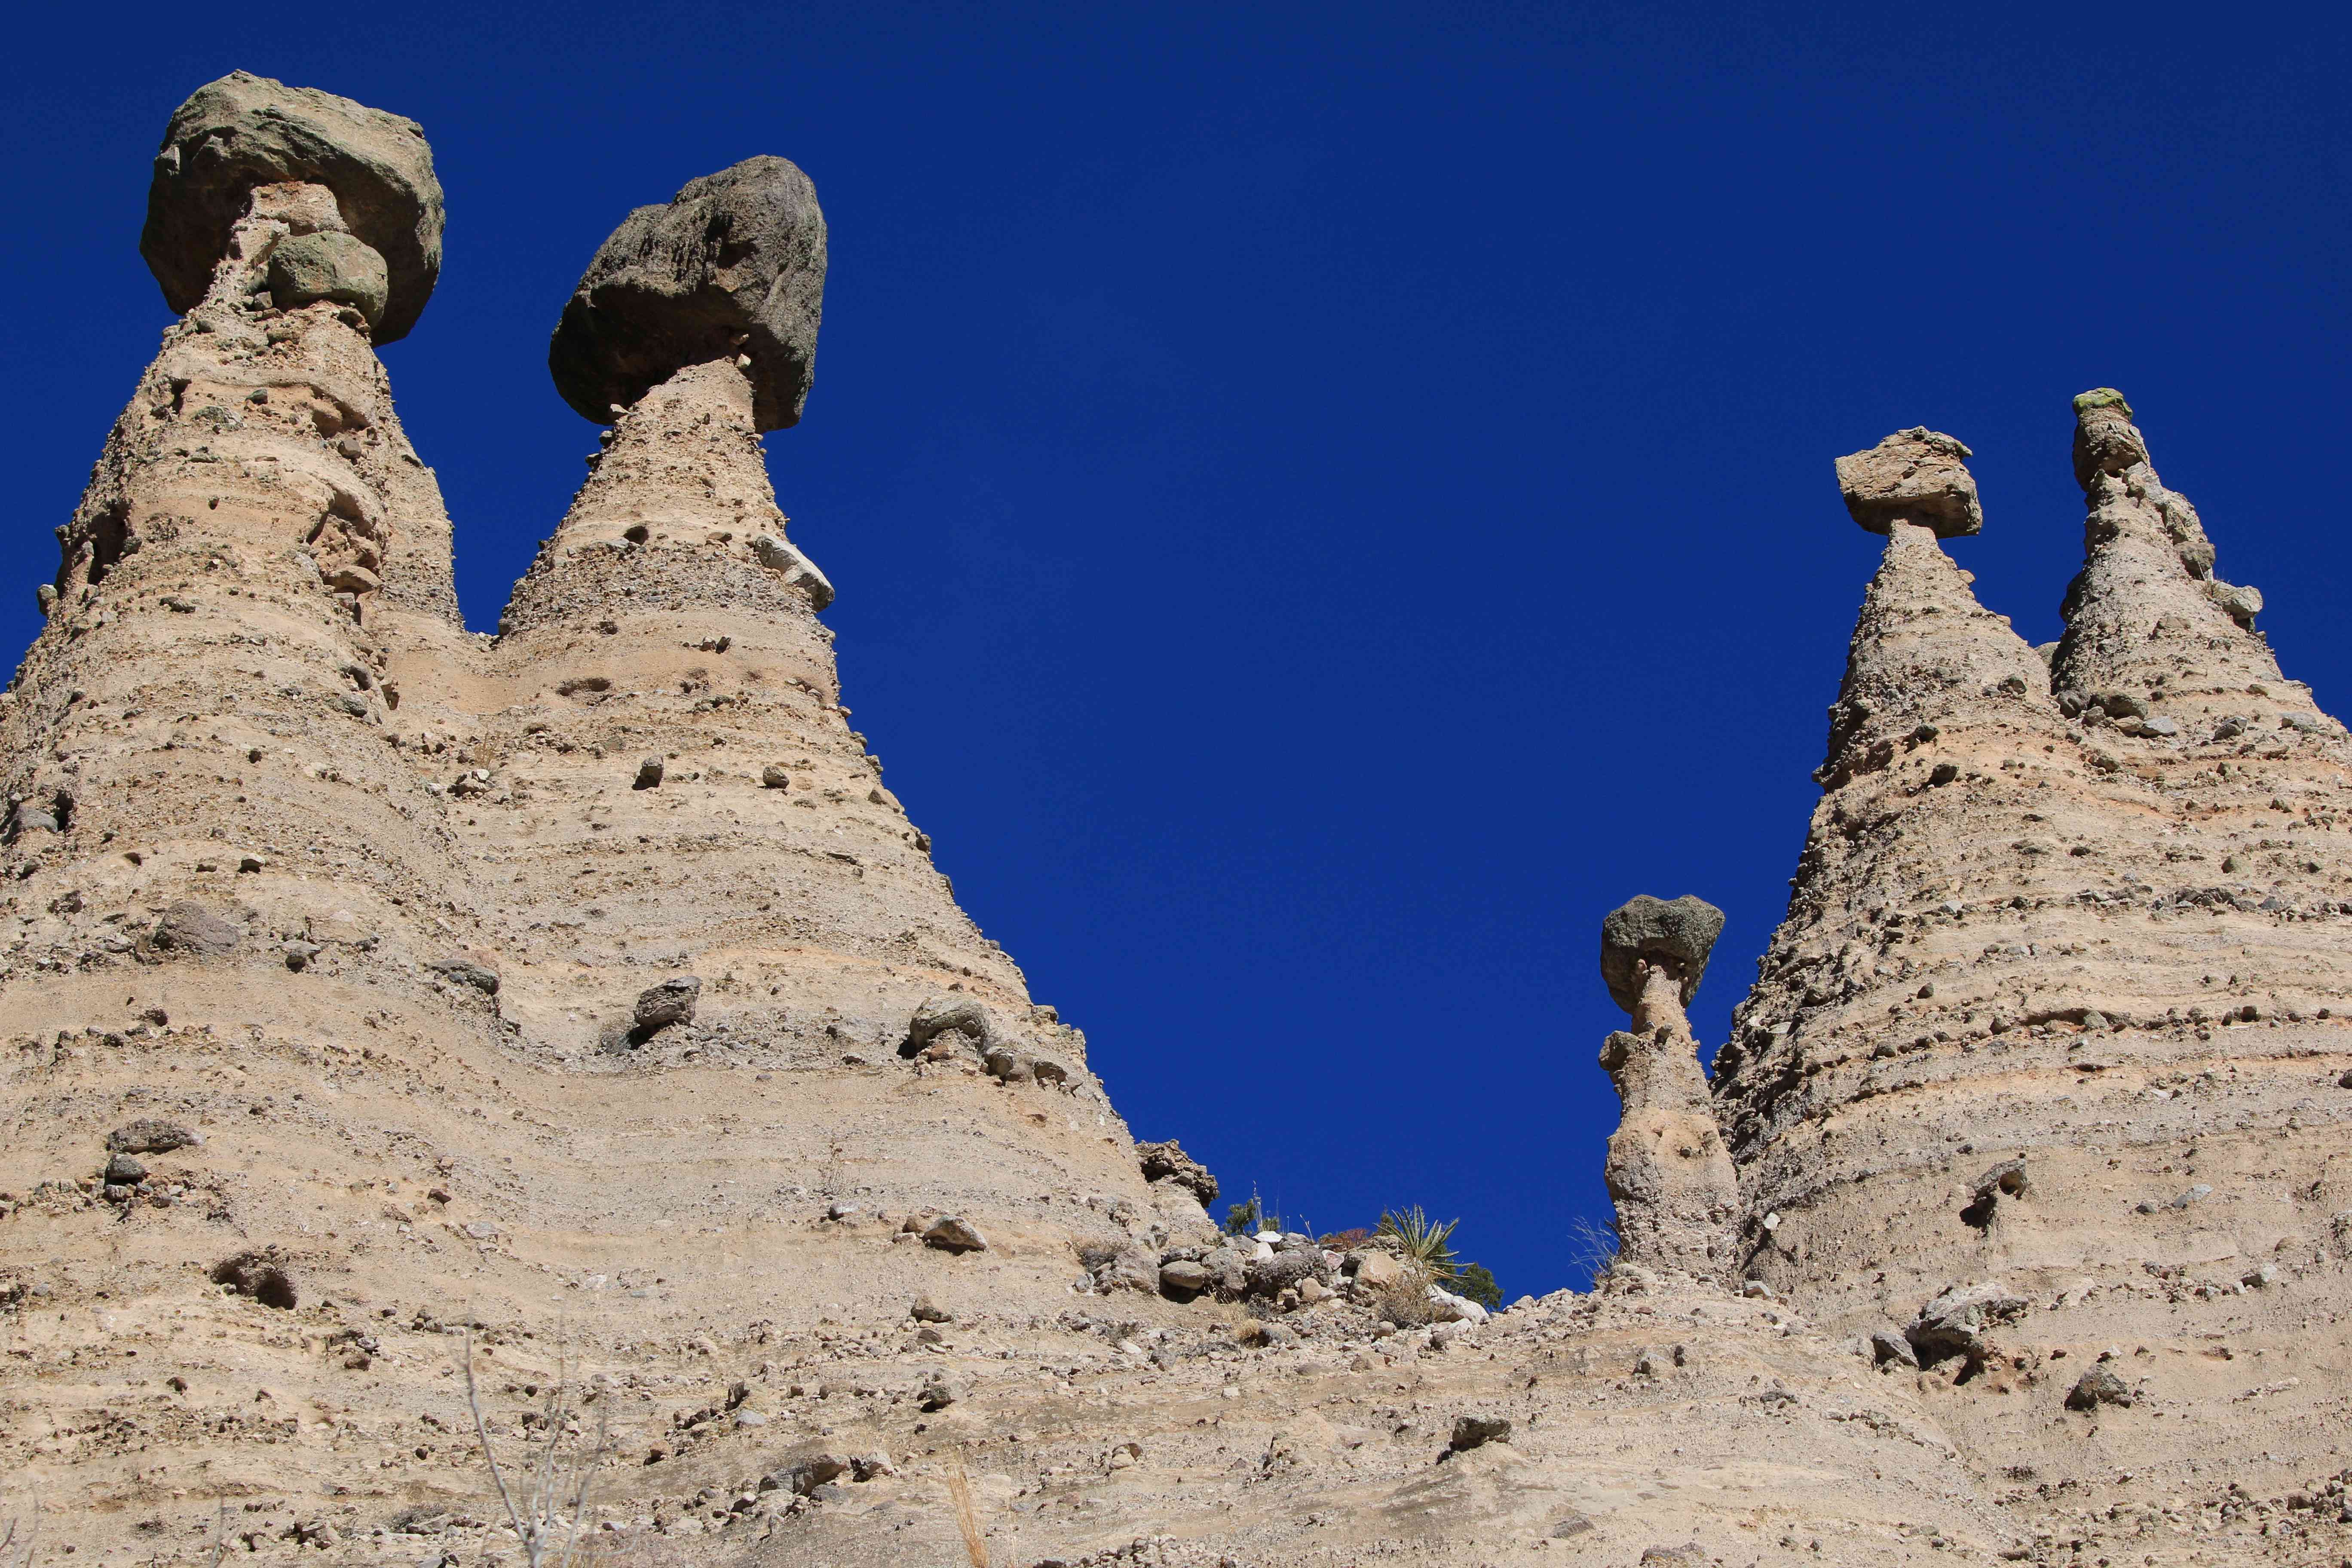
(967, 1517)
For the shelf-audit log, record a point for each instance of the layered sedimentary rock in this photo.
(581, 1007)
(2040, 1075)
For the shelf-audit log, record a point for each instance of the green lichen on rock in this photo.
(2101, 397)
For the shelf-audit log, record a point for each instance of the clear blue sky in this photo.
(1329, 501)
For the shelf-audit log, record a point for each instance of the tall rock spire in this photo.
(669, 792)
(1667, 1171)
(2038, 972)
(2152, 636)
(212, 689)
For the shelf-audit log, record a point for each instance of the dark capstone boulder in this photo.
(733, 265)
(671, 1002)
(1477, 1431)
(188, 927)
(1167, 1160)
(2096, 1387)
(31, 818)
(147, 1136)
(1958, 1321)
(467, 971)
(1681, 931)
(948, 1014)
(245, 131)
(1271, 1275)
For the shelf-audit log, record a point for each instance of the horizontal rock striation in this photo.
(2047, 968)
(579, 1009)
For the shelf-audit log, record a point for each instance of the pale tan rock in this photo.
(718, 1228)
(2078, 948)
(1918, 476)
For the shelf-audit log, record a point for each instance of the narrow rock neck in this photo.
(1655, 1065)
(675, 515)
(685, 458)
(1660, 1005)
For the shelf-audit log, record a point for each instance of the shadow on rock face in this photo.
(259, 1275)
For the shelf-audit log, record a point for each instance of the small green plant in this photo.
(1476, 1283)
(1249, 1218)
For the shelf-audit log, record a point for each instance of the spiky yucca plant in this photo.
(1422, 1242)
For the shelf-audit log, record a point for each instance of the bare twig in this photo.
(14, 1553)
(967, 1517)
(559, 1482)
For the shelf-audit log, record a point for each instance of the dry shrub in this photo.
(1404, 1300)
(548, 1505)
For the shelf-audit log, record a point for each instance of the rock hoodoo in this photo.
(1667, 1169)
(2047, 956)
(583, 995)
(731, 269)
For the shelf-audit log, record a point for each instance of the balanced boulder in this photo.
(732, 268)
(1682, 931)
(671, 1002)
(245, 131)
(1915, 475)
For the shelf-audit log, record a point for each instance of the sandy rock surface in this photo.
(577, 1012)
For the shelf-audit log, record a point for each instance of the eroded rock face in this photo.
(2096, 936)
(245, 131)
(418, 885)
(733, 268)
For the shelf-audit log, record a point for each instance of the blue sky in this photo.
(1327, 502)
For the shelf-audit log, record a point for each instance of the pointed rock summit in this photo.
(2153, 639)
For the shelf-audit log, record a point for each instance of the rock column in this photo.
(1667, 1170)
(2155, 643)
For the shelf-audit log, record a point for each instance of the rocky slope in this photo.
(578, 1006)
